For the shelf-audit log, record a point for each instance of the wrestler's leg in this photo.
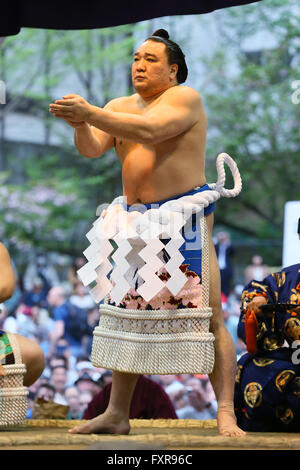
(223, 376)
(115, 419)
(33, 357)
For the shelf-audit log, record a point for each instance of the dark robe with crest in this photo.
(267, 386)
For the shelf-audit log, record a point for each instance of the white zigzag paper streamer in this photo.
(101, 289)
(173, 231)
(97, 256)
(177, 279)
(121, 267)
(152, 284)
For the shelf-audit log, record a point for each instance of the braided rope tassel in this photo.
(219, 185)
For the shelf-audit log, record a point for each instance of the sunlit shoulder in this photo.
(182, 94)
(184, 91)
(116, 103)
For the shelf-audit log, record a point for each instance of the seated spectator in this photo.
(37, 295)
(86, 383)
(84, 366)
(43, 269)
(210, 394)
(72, 396)
(58, 380)
(224, 252)
(85, 398)
(57, 360)
(30, 401)
(93, 316)
(184, 377)
(45, 391)
(44, 326)
(149, 401)
(234, 300)
(81, 298)
(33, 323)
(200, 404)
(256, 270)
(70, 322)
(165, 380)
(62, 348)
(60, 360)
(177, 394)
(72, 272)
(24, 322)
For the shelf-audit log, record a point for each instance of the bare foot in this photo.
(105, 424)
(227, 424)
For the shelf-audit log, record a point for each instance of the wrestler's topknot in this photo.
(162, 33)
(174, 52)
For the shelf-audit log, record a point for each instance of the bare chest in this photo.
(125, 147)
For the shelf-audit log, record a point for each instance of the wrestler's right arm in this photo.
(7, 279)
(92, 142)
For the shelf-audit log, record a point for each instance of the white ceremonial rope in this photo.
(219, 185)
(119, 224)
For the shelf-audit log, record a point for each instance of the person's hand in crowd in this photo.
(177, 395)
(197, 397)
(255, 304)
(296, 310)
(258, 301)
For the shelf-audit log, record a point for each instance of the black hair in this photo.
(46, 385)
(174, 53)
(59, 367)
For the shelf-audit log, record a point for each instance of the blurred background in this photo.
(245, 63)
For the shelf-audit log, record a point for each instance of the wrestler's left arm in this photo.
(177, 111)
(7, 279)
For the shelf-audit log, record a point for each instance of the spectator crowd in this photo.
(60, 315)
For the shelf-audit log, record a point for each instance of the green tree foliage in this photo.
(252, 114)
(49, 195)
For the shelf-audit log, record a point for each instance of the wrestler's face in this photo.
(151, 71)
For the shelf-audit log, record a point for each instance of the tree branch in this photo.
(242, 229)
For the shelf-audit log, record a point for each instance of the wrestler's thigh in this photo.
(33, 357)
(214, 279)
